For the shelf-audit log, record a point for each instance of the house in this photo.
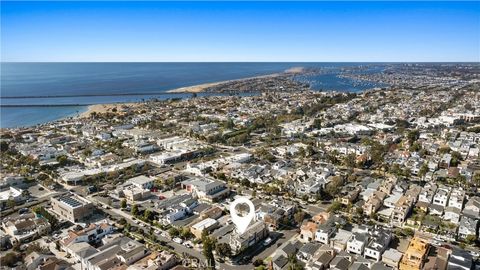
(213, 212)
(307, 231)
(349, 197)
(460, 259)
(340, 263)
(339, 242)
(437, 259)
(457, 198)
(472, 207)
(427, 193)
(11, 193)
(378, 243)
(468, 226)
(415, 255)
(401, 210)
(391, 200)
(452, 214)
(306, 252)
(320, 261)
(119, 253)
(176, 208)
(255, 233)
(445, 161)
(142, 182)
(91, 234)
(436, 209)
(39, 261)
(441, 196)
(391, 257)
(207, 224)
(357, 242)
(133, 193)
(206, 189)
(279, 262)
(374, 202)
(163, 260)
(25, 228)
(325, 232)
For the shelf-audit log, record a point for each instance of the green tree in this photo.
(299, 216)
(185, 233)
(123, 204)
(456, 158)
(173, 232)
(470, 239)
(335, 207)
(413, 136)
(223, 249)
(208, 248)
(293, 263)
(423, 170)
(148, 215)
(134, 210)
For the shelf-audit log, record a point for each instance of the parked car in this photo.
(177, 240)
(267, 241)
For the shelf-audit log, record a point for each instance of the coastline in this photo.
(202, 87)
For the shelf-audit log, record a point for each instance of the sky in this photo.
(240, 31)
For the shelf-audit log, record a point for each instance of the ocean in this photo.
(35, 93)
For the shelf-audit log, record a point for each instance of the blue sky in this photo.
(240, 31)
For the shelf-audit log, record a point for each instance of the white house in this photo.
(356, 244)
(441, 196)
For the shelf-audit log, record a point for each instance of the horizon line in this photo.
(166, 62)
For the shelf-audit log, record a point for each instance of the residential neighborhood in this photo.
(382, 179)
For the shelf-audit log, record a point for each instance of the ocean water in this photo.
(27, 89)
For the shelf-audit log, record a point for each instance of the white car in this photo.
(267, 241)
(158, 232)
(177, 240)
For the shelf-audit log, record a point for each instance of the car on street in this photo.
(267, 241)
(177, 240)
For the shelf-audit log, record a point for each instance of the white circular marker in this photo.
(242, 222)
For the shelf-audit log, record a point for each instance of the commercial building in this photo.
(72, 207)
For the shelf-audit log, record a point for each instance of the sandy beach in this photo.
(202, 87)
